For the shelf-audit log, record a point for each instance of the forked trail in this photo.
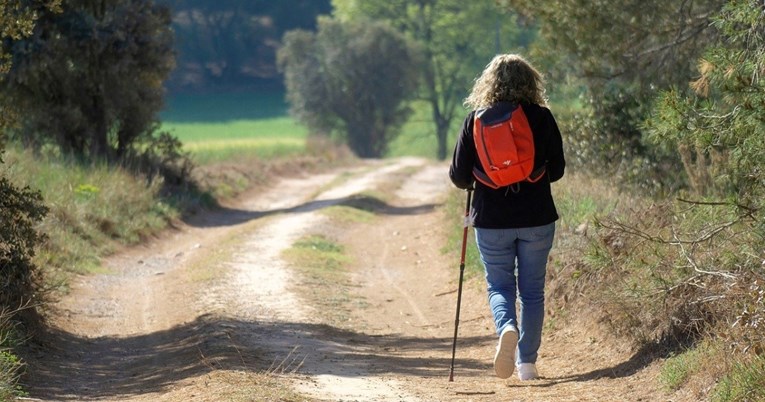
(204, 311)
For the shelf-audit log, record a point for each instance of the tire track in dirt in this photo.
(323, 375)
(426, 186)
(327, 367)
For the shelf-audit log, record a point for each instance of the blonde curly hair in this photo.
(510, 78)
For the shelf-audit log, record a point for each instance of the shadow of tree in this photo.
(66, 366)
(642, 358)
(222, 216)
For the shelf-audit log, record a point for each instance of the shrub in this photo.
(605, 137)
(20, 211)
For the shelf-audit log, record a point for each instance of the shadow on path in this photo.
(637, 362)
(229, 217)
(65, 366)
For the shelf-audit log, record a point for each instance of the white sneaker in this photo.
(504, 359)
(527, 371)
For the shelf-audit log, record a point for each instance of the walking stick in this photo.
(459, 288)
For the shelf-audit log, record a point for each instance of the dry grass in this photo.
(233, 386)
(686, 277)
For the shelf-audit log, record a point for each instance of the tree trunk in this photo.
(99, 146)
(359, 139)
(442, 133)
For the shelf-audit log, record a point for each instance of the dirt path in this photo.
(210, 309)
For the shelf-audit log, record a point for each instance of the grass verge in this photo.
(454, 210)
(681, 368)
(681, 280)
(348, 214)
(93, 209)
(322, 264)
(97, 209)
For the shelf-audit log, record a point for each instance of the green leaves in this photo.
(350, 79)
(456, 38)
(89, 79)
(20, 212)
(725, 118)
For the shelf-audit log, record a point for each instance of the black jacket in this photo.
(532, 205)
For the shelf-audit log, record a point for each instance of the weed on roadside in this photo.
(687, 274)
(745, 382)
(92, 208)
(677, 369)
(240, 386)
(11, 367)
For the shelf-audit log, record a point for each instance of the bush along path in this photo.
(332, 286)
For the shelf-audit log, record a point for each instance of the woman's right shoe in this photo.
(527, 371)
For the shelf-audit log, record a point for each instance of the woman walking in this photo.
(514, 225)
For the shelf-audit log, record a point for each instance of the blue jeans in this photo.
(502, 251)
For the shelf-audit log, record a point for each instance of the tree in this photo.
(651, 42)
(458, 38)
(17, 19)
(233, 43)
(350, 79)
(90, 78)
(719, 127)
(624, 52)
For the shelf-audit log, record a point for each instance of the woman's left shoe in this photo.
(504, 359)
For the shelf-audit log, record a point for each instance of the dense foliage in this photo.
(89, 78)
(232, 43)
(622, 53)
(688, 271)
(350, 79)
(20, 212)
(17, 19)
(457, 38)
(719, 128)
(718, 131)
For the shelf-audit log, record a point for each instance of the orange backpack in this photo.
(505, 146)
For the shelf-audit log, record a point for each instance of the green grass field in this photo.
(211, 142)
(232, 127)
(418, 135)
(219, 127)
